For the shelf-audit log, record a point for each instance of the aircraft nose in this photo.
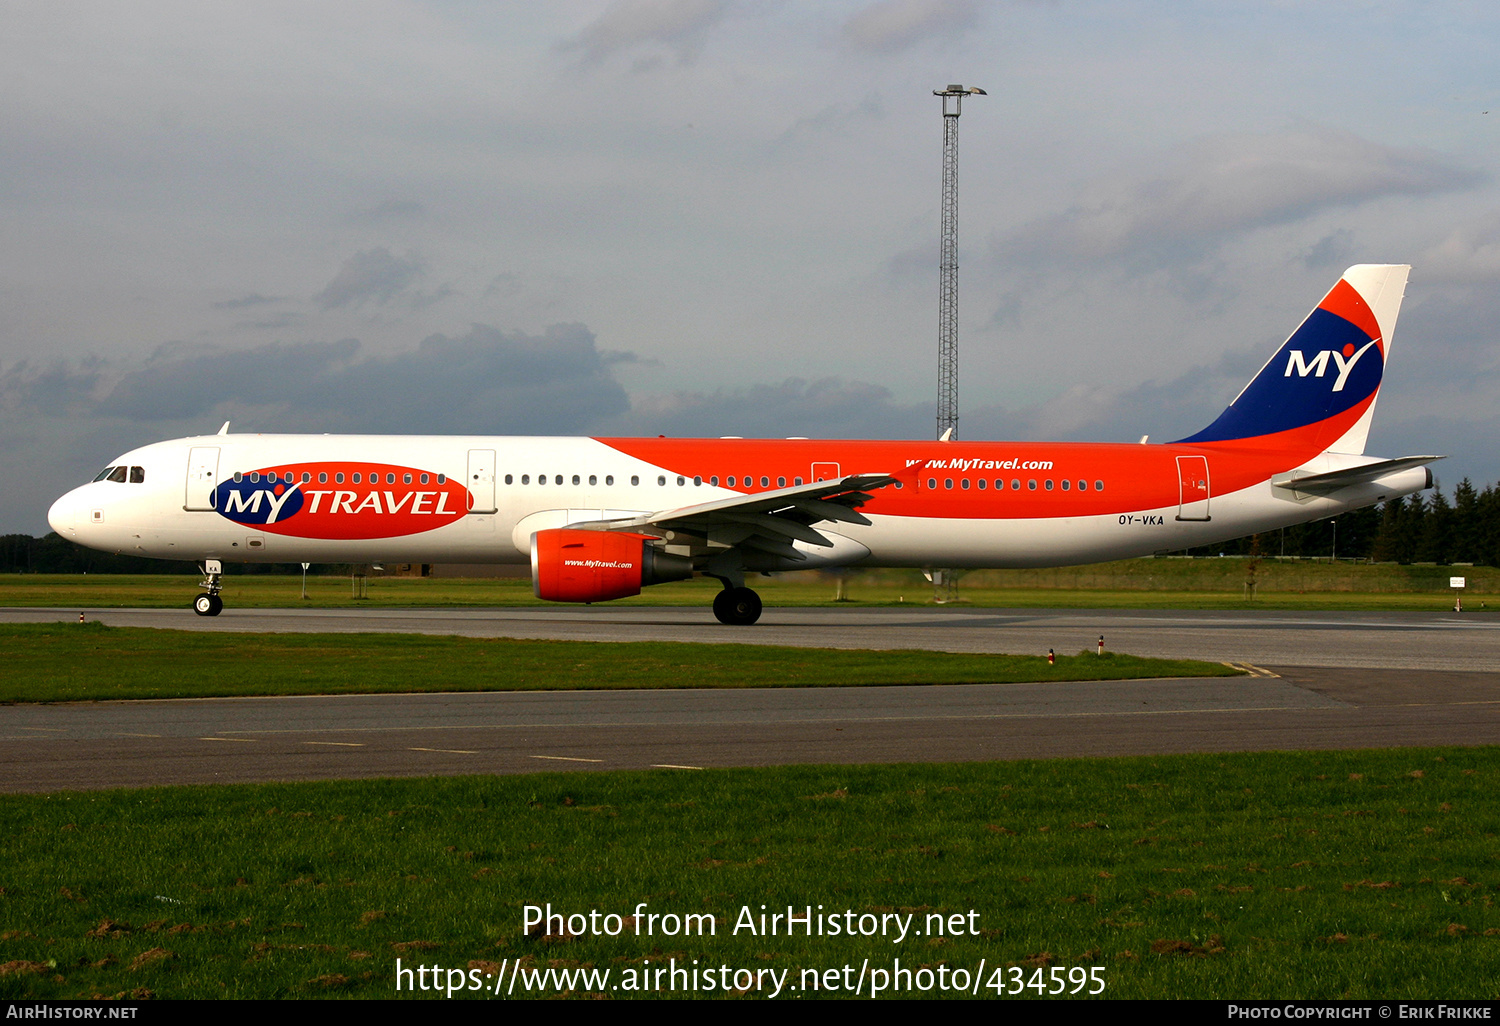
(63, 516)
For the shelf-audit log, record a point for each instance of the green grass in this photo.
(1274, 875)
(1132, 584)
(62, 662)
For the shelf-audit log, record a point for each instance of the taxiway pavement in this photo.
(1342, 680)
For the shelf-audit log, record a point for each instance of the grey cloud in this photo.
(1336, 249)
(679, 25)
(829, 408)
(422, 300)
(57, 387)
(390, 210)
(835, 119)
(1469, 254)
(173, 386)
(252, 299)
(1226, 186)
(275, 322)
(486, 381)
(895, 25)
(372, 275)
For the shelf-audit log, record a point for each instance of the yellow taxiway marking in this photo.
(564, 758)
(247, 740)
(1253, 670)
(668, 765)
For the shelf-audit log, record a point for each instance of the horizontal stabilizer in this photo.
(1336, 479)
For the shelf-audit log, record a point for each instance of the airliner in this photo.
(602, 518)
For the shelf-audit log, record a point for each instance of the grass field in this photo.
(76, 662)
(1136, 583)
(1275, 875)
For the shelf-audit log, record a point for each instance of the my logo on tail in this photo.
(1345, 360)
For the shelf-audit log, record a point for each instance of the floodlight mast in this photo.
(945, 582)
(947, 409)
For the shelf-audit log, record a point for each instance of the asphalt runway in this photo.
(1353, 681)
(1399, 641)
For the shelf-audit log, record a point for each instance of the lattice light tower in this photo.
(947, 408)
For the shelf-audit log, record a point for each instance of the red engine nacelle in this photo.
(596, 566)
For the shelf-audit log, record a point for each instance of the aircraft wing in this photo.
(767, 521)
(1336, 479)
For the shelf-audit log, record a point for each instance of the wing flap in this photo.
(767, 522)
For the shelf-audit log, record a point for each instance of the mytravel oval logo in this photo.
(341, 500)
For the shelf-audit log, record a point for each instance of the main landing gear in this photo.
(209, 603)
(738, 607)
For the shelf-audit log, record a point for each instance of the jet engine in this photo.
(570, 565)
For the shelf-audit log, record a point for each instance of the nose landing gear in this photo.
(208, 603)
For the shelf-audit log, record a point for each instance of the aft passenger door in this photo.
(1192, 485)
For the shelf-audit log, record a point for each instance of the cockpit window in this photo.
(118, 474)
(103, 473)
(137, 475)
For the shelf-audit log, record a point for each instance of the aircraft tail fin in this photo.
(1318, 391)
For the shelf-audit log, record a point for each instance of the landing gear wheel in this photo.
(738, 607)
(208, 603)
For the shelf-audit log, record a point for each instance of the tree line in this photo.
(1429, 527)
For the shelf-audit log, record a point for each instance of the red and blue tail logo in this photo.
(1320, 387)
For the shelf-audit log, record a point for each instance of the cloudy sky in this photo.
(717, 217)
